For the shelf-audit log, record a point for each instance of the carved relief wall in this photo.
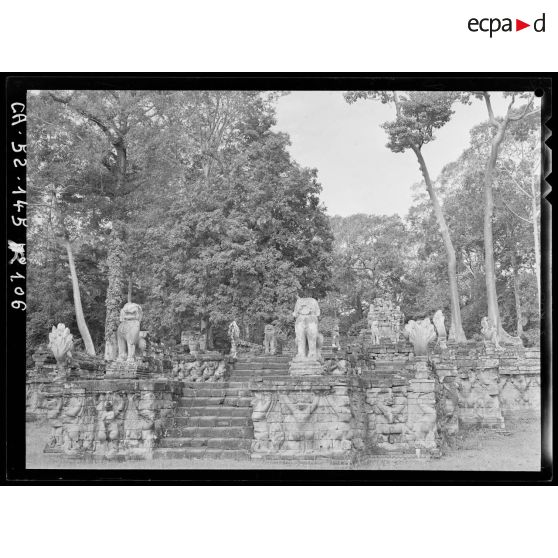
(107, 418)
(310, 418)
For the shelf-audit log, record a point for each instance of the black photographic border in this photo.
(12, 452)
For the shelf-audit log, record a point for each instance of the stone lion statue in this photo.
(308, 339)
(128, 333)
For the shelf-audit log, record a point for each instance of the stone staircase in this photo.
(249, 367)
(212, 421)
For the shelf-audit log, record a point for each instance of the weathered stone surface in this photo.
(275, 415)
(305, 367)
(385, 320)
(479, 401)
(312, 417)
(105, 418)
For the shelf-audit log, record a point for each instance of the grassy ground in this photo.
(517, 449)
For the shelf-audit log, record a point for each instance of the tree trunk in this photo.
(536, 240)
(205, 331)
(116, 258)
(489, 266)
(519, 314)
(80, 318)
(456, 325)
(130, 288)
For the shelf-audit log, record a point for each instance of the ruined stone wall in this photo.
(397, 403)
(341, 417)
(490, 385)
(108, 418)
(520, 383)
(403, 410)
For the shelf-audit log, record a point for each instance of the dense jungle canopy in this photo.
(191, 201)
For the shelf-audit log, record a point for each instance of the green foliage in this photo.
(190, 193)
(371, 255)
(216, 221)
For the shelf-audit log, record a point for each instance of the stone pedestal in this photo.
(301, 366)
(127, 369)
(421, 367)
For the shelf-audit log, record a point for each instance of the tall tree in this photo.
(51, 175)
(115, 116)
(64, 237)
(242, 247)
(500, 126)
(370, 260)
(418, 115)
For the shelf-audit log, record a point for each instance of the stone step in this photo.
(218, 443)
(249, 376)
(210, 432)
(214, 411)
(263, 357)
(216, 385)
(213, 420)
(200, 453)
(242, 371)
(205, 391)
(227, 401)
(261, 366)
(255, 378)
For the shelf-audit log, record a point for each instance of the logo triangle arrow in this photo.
(519, 25)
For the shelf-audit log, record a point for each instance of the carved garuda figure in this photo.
(61, 343)
(128, 333)
(306, 313)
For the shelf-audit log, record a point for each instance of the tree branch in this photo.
(527, 107)
(87, 115)
(517, 215)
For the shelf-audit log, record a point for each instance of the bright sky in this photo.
(358, 173)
